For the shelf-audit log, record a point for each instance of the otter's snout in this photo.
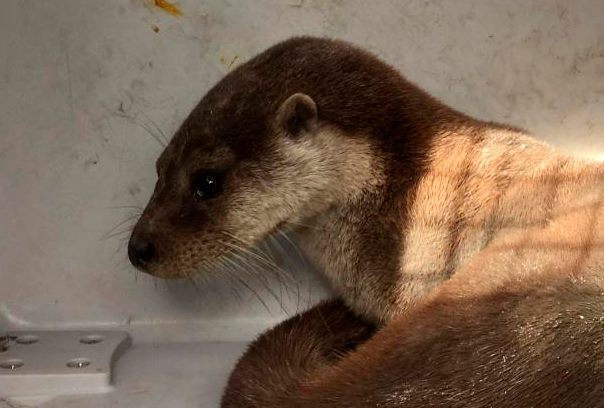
(141, 251)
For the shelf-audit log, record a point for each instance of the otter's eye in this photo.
(206, 184)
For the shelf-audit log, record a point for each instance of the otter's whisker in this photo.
(303, 258)
(121, 223)
(241, 268)
(271, 267)
(291, 242)
(143, 126)
(248, 287)
(130, 207)
(233, 288)
(245, 266)
(219, 264)
(117, 233)
(273, 262)
(153, 135)
(238, 248)
(246, 263)
(163, 135)
(193, 283)
(263, 259)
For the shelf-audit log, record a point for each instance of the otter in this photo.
(466, 256)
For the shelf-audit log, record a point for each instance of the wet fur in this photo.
(476, 251)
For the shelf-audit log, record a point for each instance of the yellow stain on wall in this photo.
(168, 7)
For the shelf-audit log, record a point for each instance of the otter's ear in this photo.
(297, 114)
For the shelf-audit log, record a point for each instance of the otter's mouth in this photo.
(228, 252)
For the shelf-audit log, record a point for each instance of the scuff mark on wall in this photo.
(69, 83)
(229, 62)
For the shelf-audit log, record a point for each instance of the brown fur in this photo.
(476, 248)
(488, 351)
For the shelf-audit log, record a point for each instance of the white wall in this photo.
(80, 78)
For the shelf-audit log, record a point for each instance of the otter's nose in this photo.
(141, 251)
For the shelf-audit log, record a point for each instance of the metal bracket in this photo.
(50, 363)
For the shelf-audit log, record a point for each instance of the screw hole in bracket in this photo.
(91, 339)
(11, 364)
(78, 363)
(27, 339)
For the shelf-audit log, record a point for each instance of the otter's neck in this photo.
(388, 248)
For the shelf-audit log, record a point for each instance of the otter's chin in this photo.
(157, 271)
(174, 269)
(168, 275)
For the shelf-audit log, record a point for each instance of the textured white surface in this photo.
(80, 78)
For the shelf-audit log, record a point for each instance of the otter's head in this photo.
(278, 140)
